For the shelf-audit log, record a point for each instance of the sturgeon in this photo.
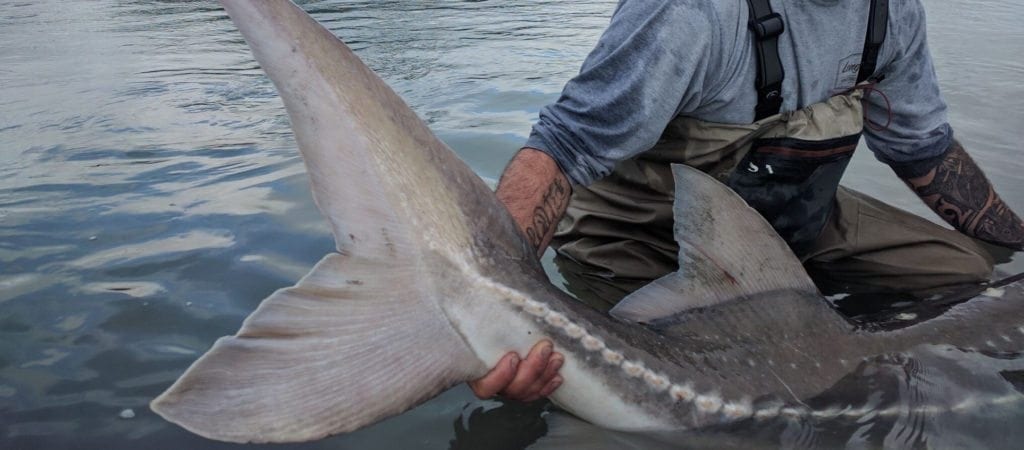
(431, 282)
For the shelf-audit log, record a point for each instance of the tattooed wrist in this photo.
(958, 191)
(546, 215)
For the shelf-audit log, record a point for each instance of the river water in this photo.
(151, 196)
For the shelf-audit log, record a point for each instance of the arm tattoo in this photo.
(959, 192)
(548, 213)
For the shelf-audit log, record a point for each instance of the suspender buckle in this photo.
(767, 27)
(769, 101)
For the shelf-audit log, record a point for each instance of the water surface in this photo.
(151, 196)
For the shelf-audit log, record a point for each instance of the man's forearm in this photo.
(958, 191)
(536, 193)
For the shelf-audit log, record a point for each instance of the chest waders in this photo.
(617, 233)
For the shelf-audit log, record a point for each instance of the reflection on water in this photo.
(150, 194)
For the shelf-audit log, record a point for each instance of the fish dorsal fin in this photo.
(726, 251)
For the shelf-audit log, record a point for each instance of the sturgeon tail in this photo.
(363, 336)
(350, 344)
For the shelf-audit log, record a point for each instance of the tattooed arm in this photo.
(958, 191)
(536, 192)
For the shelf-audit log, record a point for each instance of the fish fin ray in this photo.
(350, 344)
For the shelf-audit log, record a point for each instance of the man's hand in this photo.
(527, 380)
(536, 193)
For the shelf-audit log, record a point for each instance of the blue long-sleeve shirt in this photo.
(659, 59)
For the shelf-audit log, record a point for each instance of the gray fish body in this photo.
(432, 283)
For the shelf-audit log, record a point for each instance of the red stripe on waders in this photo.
(784, 151)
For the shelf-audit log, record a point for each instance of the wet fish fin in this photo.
(350, 344)
(726, 251)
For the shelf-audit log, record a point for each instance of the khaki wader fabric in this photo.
(616, 235)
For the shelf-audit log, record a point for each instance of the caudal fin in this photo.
(350, 344)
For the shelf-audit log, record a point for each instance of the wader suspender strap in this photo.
(767, 26)
(878, 26)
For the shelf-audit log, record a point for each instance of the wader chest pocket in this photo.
(793, 182)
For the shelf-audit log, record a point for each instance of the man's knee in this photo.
(977, 266)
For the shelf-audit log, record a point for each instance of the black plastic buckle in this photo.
(767, 27)
(769, 101)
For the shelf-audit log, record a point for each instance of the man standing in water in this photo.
(772, 102)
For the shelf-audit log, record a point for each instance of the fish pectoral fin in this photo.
(727, 251)
(352, 343)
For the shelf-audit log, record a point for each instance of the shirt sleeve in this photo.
(647, 67)
(906, 113)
